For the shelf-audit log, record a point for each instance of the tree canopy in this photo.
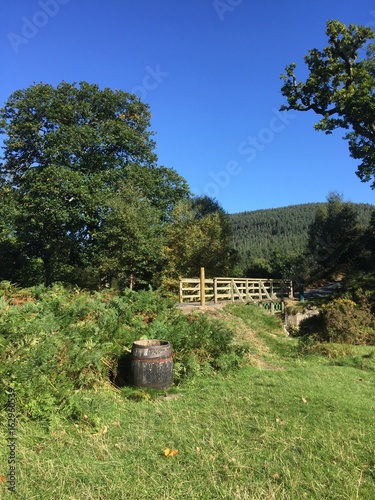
(199, 234)
(67, 152)
(340, 87)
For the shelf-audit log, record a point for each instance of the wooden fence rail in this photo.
(235, 289)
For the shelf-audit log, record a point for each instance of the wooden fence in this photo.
(244, 290)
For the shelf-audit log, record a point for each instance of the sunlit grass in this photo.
(293, 427)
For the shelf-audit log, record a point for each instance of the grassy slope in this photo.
(283, 427)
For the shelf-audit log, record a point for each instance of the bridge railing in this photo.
(235, 289)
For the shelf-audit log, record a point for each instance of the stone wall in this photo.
(294, 320)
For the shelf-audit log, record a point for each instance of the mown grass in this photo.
(290, 427)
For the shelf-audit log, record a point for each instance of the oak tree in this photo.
(340, 87)
(67, 149)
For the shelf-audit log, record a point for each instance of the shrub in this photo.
(56, 343)
(200, 344)
(341, 321)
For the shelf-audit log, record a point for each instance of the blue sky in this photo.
(210, 72)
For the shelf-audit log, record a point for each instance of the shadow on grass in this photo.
(122, 375)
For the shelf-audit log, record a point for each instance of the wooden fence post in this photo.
(215, 290)
(203, 288)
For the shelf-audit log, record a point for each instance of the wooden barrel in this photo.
(152, 364)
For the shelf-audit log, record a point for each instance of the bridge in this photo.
(265, 291)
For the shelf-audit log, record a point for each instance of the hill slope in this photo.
(256, 234)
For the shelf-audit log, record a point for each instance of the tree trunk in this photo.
(48, 269)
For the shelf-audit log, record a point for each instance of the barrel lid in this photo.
(150, 342)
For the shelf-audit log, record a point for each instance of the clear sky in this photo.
(210, 72)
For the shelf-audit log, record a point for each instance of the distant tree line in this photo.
(304, 241)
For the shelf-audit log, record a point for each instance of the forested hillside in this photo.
(259, 234)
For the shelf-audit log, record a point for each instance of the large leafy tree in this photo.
(67, 149)
(340, 87)
(198, 234)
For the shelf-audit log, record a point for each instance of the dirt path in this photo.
(323, 291)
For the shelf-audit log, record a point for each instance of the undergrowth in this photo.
(341, 320)
(58, 344)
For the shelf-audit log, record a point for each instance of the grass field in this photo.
(285, 426)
